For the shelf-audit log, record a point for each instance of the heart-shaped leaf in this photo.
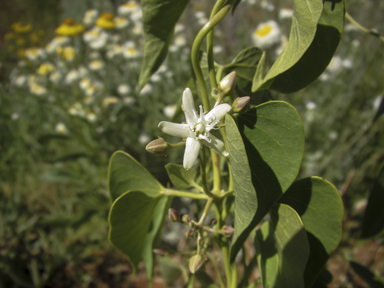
(126, 174)
(315, 34)
(271, 129)
(129, 220)
(321, 209)
(159, 20)
(282, 249)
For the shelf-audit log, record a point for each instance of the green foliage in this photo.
(373, 280)
(126, 174)
(281, 130)
(319, 205)
(315, 34)
(157, 37)
(181, 178)
(282, 248)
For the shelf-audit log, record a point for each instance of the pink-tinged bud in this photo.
(240, 103)
(196, 263)
(189, 234)
(158, 147)
(227, 231)
(186, 218)
(160, 252)
(227, 84)
(213, 222)
(173, 215)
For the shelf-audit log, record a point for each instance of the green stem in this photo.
(176, 193)
(205, 212)
(211, 63)
(362, 28)
(196, 49)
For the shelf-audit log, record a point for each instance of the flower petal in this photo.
(192, 149)
(189, 108)
(218, 112)
(216, 144)
(175, 129)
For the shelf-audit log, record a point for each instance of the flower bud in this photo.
(240, 103)
(189, 234)
(213, 222)
(158, 147)
(227, 84)
(186, 218)
(196, 263)
(173, 215)
(227, 231)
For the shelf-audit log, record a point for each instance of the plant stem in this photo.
(362, 28)
(177, 193)
(211, 63)
(217, 270)
(196, 49)
(205, 212)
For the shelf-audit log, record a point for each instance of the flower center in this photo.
(264, 31)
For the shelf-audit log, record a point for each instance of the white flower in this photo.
(285, 13)
(197, 130)
(61, 128)
(266, 34)
(144, 138)
(169, 111)
(123, 89)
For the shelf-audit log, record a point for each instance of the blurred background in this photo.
(68, 100)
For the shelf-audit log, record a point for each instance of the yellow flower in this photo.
(106, 21)
(20, 28)
(68, 53)
(69, 28)
(110, 100)
(45, 69)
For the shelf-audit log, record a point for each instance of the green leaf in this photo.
(273, 137)
(245, 193)
(245, 64)
(315, 34)
(373, 221)
(154, 234)
(126, 174)
(282, 249)
(321, 209)
(129, 220)
(159, 20)
(180, 177)
(373, 280)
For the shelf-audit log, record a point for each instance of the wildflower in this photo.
(45, 69)
(61, 128)
(20, 28)
(20, 80)
(37, 89)
(266, 34)
(123, 89)
(129, 50)
(76, 109)
(106, 21)
(267, 6)
(147, 89)
(55, 77)
(110, 100)
(120, 23)
(72, 76)
(34, 54)
(68, 53)
(169, 111)
(85, 83)
(197, 130)
(15, 116)
(69, 28)
(90, 17)
(127, 8)
(285, 13)
(96, 65)
(91, 117)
